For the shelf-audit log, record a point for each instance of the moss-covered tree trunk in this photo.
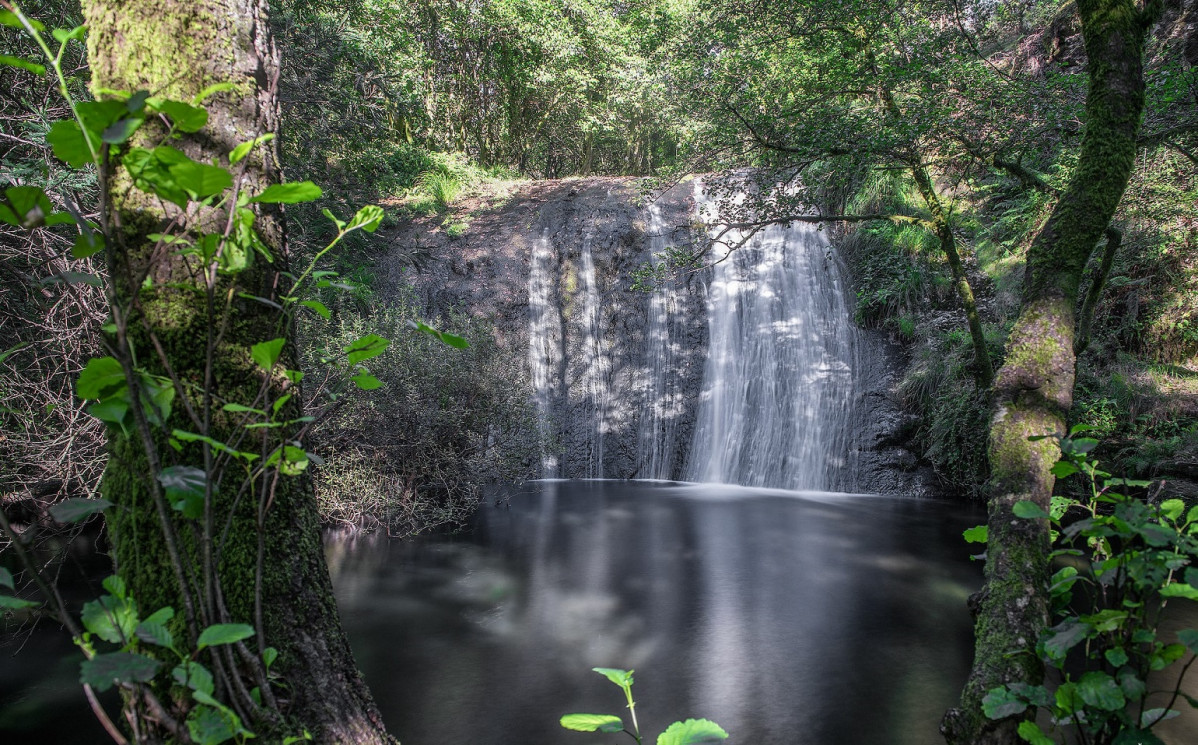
(1034, 387)
(199, 328)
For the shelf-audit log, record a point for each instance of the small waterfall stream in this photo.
(778, 386)
(595, 368)
(661, 391)
(544, 343)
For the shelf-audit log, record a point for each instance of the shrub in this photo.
(449, 422)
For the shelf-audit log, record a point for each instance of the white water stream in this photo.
(661, 390)
(777, 390)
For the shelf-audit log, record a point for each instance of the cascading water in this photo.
(594, 361)
(777, 390)
(759, 387)
(544, 343)
(661, 391)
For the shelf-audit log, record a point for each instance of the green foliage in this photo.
(457, 416)
(1121, 560)
(955, 414)
(689, 732)
(209, 254)
(443, 188)
(141, 643)
(668, 264)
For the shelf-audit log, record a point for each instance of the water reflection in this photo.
(782, 617)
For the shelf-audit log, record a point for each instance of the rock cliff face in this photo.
(616, 372)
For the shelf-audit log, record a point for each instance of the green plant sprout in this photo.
(689, 732)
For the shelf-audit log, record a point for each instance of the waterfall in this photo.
(777, 389)
(595, 371)
(749, 363)
(661, 391)
(544, 344)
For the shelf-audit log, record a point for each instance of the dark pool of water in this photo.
(786, 618)
(789, 619)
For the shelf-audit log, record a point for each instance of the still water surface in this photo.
(787, 618)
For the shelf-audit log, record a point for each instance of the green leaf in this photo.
(692, 732)
(320, 308)
(266, 353)
(1179, 590)
(291, 460)
(339, 223)
(76, 508)
(293, 193)
(23, 64)
(1189, 637)
(1063, 637)
(185, 487)
(103, 670)
(159, 394)
(269, 655)
(153, 632)
(10, 19)
(110, 618)
(622, 678)
(363, 349)
(115, 586)
(1063, 468)
(1153, 717)
(1031, 732)
(210, 725)
(244, 148)
(1028, 510)
(211, 91)
(112, 411)
(88, 243)
(8, 601)
(1116, 657)
(101, 377)
(366, 381)
(68, 143)
(25, 207)
(185, 436)
(368, 218)
(6, 579)
(1001, 702)
(193, 675)
(592, 723)
(445, 337)
(977, 534)
(187, 118)
(1172, 508)
(62, 35)
(201, 180)
(162, 615)
(121, 130)
(1101, 691)
(223, 633)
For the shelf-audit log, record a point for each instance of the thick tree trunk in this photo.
(176, 49)
(1034, 389)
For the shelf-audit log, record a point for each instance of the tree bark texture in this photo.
(176, 49)
(1034, 387)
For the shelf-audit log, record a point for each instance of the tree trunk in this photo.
(1034, 389)
(269, 568)
(983, 369)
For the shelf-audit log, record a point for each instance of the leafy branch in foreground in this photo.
(689, 732)
(1121, 560)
